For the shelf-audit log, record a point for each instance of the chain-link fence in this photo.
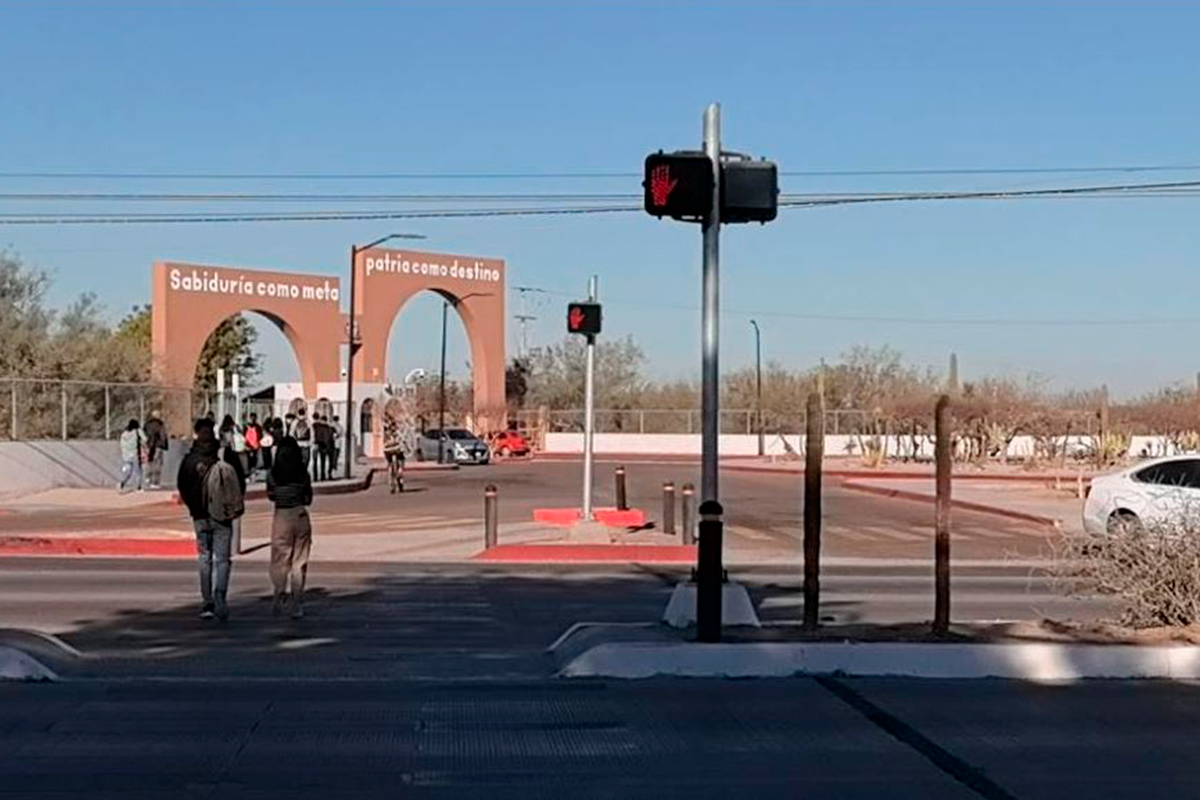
(658, 420)
(32, 408)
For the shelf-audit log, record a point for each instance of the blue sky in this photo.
(544, 87)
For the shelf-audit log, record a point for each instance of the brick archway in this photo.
(475, 286)
(191, 300)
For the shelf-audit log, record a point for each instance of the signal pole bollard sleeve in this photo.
(814, 453)
(709, 574)
(941, 546)
(491, 515)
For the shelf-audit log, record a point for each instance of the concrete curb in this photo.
(1042, 662)
(966, 505)
(567, 553)
(259, 492)
(797, 468)
(16, 665)
(116, 547)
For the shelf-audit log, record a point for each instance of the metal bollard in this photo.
(668, 517)
(709, 573)
(622, 501)
(491, 517)
(688, 497)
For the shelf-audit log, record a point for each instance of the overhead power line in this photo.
(902, 320)
(570, 175)
(1174, 189)
(313, 216)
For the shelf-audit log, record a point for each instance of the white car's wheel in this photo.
(1124, 522)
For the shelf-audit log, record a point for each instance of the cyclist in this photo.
(393, 451)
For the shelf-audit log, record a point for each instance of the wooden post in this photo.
(941, 548)
(814, 451)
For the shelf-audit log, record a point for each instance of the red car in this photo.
(510, 443)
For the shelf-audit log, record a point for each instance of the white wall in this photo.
(35, 466)
(741, 444)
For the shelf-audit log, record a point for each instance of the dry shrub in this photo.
(1152, 569)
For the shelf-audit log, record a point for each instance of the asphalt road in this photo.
(796, 738)
(137, 618)
(433, 681)
(763, 512)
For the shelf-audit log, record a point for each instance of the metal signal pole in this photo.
(709, 569)
(589, 396)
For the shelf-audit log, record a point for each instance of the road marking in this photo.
(750, 533)
(895, 535)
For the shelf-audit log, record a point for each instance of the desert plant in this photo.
(1152, 569)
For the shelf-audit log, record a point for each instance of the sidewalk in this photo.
(1015, 500)
(854, 468)
(106, 499)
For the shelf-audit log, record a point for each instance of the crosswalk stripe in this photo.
(989, 534)
(749, 533)
(885, 533)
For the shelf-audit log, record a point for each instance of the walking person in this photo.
(266, 444)
(323, 443)
(339, 435)
(212, 486)
(290, 488)
(133, 451)
(157, 443)
(302, 433)
(253, 434)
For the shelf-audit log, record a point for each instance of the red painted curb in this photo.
(620, 553)
(614, 518)
(76, 546)
(557, 516)
(966, 505)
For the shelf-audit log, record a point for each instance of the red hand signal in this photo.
(661, 184)
(575, 319)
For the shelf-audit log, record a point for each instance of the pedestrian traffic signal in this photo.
(583, 318)
(749, 190)
(679, 185)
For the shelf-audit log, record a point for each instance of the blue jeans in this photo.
(131, 472)
(213, 540)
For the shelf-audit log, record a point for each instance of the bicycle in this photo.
(395, 470)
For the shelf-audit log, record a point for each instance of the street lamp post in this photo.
(758, 384)
(442, 372)
(352, 343)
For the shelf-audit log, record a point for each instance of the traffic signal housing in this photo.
(679, 185)
(583, 318)
(749, 190)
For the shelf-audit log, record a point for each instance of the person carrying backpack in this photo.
(302, 433)
(212, 485)
(289, 486)
(133, 453)
(157, 443)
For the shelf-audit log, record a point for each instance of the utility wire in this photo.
(315, 216)
(1169, 189)
(520, 175)
(894, 320)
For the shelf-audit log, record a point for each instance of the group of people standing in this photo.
(142, 453)
(257, 444)
(212, 484)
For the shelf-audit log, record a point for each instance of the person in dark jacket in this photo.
(289, 486)
(214, 538)
(323, 444)
(156, 447)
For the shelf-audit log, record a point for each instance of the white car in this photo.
(1161, 490)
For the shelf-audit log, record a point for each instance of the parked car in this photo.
(459, 446)
(510, 443)
(1157, 491)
